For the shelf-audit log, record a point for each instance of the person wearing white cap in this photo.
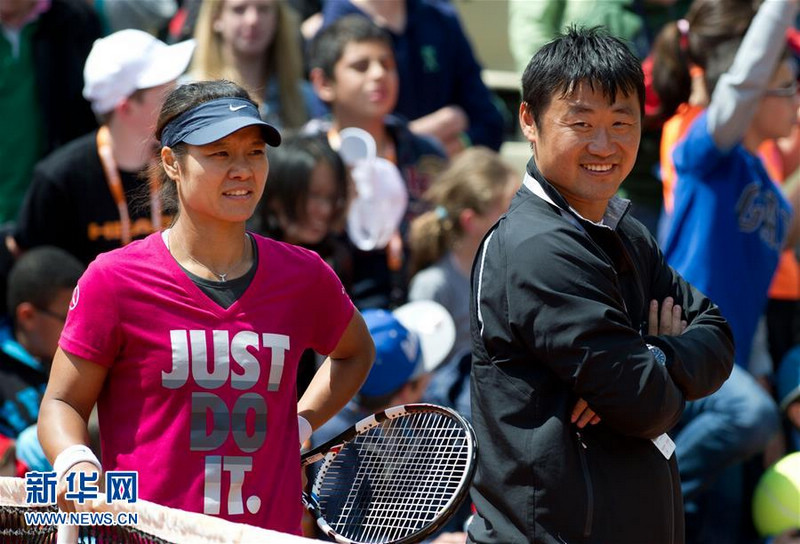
(205, 319)
(80, 198)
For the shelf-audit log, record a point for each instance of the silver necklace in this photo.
(222, 277)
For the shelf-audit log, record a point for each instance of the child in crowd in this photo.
(469, 196)
(410, 343)
(39, 291)
(305, 200)
(441, 90)
(729, 215)
(353, 70)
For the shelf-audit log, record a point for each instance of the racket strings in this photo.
(395, 479)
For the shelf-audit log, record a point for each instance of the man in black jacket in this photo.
(586, 344)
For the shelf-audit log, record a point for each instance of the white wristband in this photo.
(305, 429)
(71, 456)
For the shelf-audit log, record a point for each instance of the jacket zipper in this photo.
(587, 478)
(625, 255)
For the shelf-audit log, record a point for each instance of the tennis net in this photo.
(155, 524)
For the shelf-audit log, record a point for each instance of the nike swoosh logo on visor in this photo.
(237, 108)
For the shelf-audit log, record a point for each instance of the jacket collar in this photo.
(542, 188)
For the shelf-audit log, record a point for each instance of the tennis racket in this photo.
(394, 477)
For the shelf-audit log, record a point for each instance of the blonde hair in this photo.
(284, 58)
(475, 180)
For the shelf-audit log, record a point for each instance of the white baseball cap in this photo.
(434, 326)
(126, 61)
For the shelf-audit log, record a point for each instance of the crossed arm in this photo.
(666, 321)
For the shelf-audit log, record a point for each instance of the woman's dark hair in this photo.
(181, 99)
(290, 168)
(579, 55)
(708, 37)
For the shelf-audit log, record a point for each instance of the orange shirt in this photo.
(673, 131)
(786, 283)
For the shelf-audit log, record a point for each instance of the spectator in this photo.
(83, 197)
(39, 291)
(305, 201)
(257, 44)
(469, 196)
(682, 53)
(441, 90)
(409, 344)
(353, 70)
(43, 46)
(744, 220)
(729, 215)
(533, 24)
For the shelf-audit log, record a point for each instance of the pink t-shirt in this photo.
(199, 399)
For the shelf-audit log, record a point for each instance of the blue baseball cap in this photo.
(412, 340)
(215, 119)
(398, 354)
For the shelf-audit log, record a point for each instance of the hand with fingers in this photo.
(582, 415)
(666, 321)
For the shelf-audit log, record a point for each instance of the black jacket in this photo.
(558, 309)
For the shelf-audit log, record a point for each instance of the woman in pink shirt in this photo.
(188, 340)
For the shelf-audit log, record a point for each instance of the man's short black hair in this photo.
(39, 275)
(581, 55)
(328, 45)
